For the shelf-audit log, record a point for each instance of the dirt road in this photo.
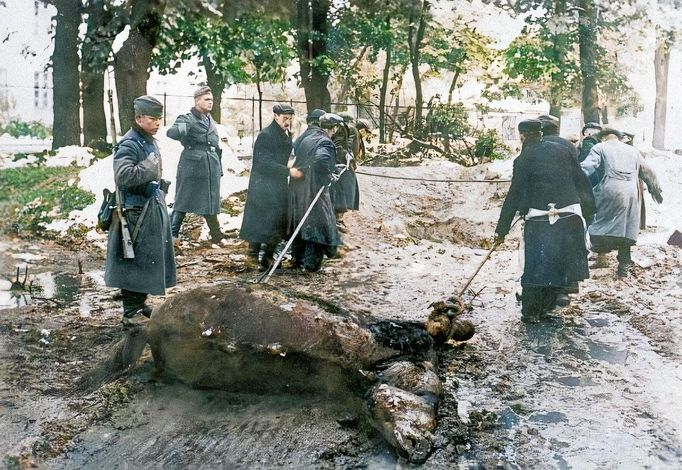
(594, 387)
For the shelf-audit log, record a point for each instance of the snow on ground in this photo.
(100, 175)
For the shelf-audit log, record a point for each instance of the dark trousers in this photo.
(211, 220)
(268, 250)
(536, 300)
(132, 301)
(624, 256)
(308, 255)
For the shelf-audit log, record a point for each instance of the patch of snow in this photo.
(71, 155)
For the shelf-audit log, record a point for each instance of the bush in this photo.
(489, 146)
(17, 128)
(31, 197)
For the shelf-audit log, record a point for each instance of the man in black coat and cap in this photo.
(551, 192)
(200, 166)
(265, 215)
(550, 133)
(137, 174)
(589, 139)
(315, 158)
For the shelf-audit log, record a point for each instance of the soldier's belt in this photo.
(209, 148)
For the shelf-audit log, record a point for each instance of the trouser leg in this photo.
(532, 303)
(176, 222)
(213, 227)
(297, 252)
(134, 303)
(314, 253)
(254, 250)
(268, 254)
(624, 260)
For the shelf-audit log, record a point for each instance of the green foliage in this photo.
(489, 146)
(448, 121)
(251, 48)
(17, 128)
(31, 197)
(536, 71)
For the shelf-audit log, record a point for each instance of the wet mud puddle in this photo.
(29, 276)
(585, 391)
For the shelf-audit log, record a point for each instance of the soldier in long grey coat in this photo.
(137, 173)
(200, 168)
(265, 214)
(617, 167)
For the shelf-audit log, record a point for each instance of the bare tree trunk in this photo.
(414, 40)
(312, 26)
(384, 88)
(453, 84)
(217, 84)
(95, 52)
(66, 126)
(664, 41)
(131, 62)
(587, 31)
(559, 50)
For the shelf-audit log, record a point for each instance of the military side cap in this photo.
(279, 108)
(329, 120)
(147, 106)
(548, 120)
(315, 115)
(530, 125)
(201, 91)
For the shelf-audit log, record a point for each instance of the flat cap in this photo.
(201, 91)
(363, 124)
(280, 108)
(548, 120)
(329, 120)
(315, 115)
(529, 126)
(147, 105)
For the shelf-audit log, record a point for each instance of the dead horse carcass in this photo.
(262, 340)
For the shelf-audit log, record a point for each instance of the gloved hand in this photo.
(498, 239)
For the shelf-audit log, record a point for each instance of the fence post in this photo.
(253, 121)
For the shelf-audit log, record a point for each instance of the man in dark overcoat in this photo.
(551, 192)
(200, 167)
(589, 140)
(265, 214)
(315, 158)
(345, 193)
(550, 133)
(137, 174)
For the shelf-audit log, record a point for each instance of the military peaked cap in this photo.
(347, 117)
(147, 106)
(591, 125)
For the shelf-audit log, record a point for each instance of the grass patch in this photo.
(31, 197)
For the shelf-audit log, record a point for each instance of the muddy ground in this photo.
(595, 386)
